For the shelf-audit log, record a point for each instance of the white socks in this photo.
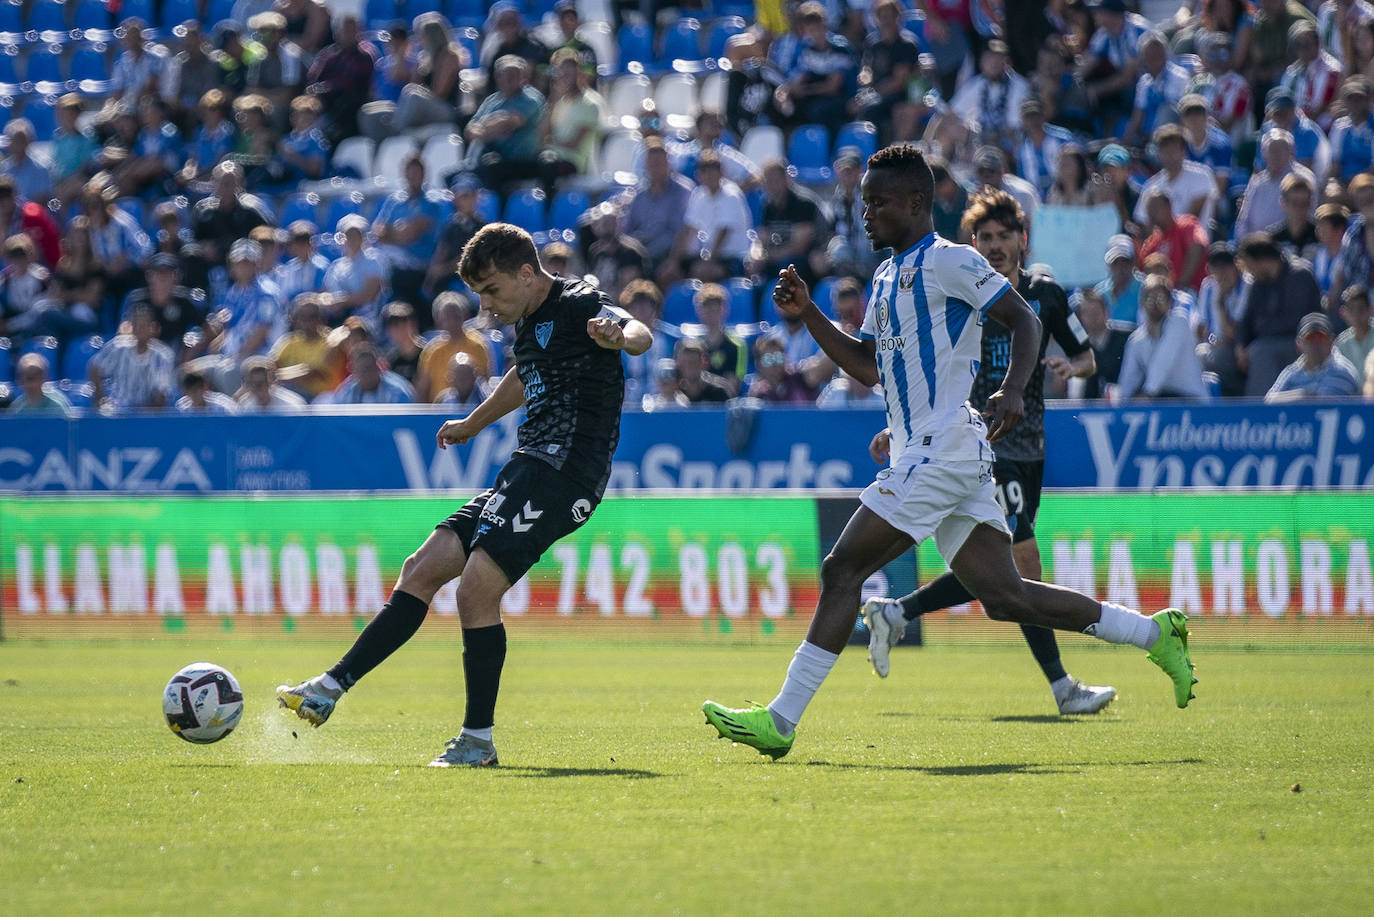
(1120, 624)
(1062, 687)
(330, 684)
(809, 667)
(482, 734)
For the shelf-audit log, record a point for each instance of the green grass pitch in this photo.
(950, 788)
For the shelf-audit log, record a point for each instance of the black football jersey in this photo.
(1026, 443)
(574, 388)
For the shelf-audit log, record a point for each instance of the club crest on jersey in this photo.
(542, 332)
(880, 315)
(907, 279)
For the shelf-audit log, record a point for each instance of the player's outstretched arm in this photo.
(509, 395)
(856, 357)
(1005, 407)
(633, 337)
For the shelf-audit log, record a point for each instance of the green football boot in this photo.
(752, 726)
(1170, 653)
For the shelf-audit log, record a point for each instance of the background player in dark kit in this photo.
(569, 377)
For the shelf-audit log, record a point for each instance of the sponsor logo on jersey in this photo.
(542, 332)
(880, 315)
(581, 510)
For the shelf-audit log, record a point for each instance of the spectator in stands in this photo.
(1111, 66)
(990, 171)
(249, 316)
(1296, 233)
(174, 307)
(1269, 57)
(190, 73)
(1112, 184)
(991, 99)
(709, 135)
(119, 243)
(214, 140)
(303, 154)
(138, 68)
(23, 284)
(73, 149)
(1352, 134)
(307, 24)
(613, 257)
(227, 215)
(1038, 146)
(947, 29)
(1262, 205)
(433, 97)
(726, 357)
(665, 396)
(393, 73)
(234, 56)
(848, 250)
(714, 239)
(570, 129)
(1072, 185)
(77, 288)
(643, 300)
(505, 127)
(890, 60)
(157, 154)
(465, 388)
(1332, 221)
(1282, 291)
(1337, 21)
(451, 311)
(369, 383)
(1159, 360)
(403, 344)
(1207, 144)
(1120, 292)
(844, 391)
(1310, 146)
(30, 218)
(407, 230)
(1314, 75)
(305, 268)
(1161, 85)
(791, 224)
(849, 305)
(260, 393)
(460, 224)
(1355, 263)
(32, 179)
(773, 381)
(1108, 343)
(257, 142)
(340, 77)
(356, 279)
(693, 380)
(824, 76)
(269, 258)
(1220, 305)
(36, 394)
(1319, 371)
(655, 209)
(1191, 186)
(1356, 342)
(133, 371)
(306, 360)
(279, 74)
(1229, 96)
(199, 398)
(513, 39)
(950, 201)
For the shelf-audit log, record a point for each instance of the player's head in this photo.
(500, 264)
(897, 191)
(998, 226)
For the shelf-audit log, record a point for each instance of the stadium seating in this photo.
(219, 11)
(488, 205)
(79, 354)
(6, 363)
(381, 13)
(636, 43)
(44, 70)
(762, 143)
(824, 296)
(861, 134)
(467, 14)
(93, 19)
(355, 153)
(443, 155)
(526, 209)
(9, 76)
(78, 394)
(602, 41)
(11, 22)
(139, 9)
(90, 70)
(48, 16)
(809, 153)
(415, 8)
(39, 111)
(390, 155)
(742, 303)
(677, 304)
(618, 154)
(175, 12)
(471, 39)
(722, 30)
(711, 95)
(675, 97)
(133, 207)
(341, 206)
(682, 47)
(567, 208)
(301, 207)
(45, 347)
(627, 93)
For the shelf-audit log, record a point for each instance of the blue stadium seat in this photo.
(526, 210)
(755, 200)
(469, 38)
(8, 75)
(861, 134)
(45, 347)
(824, 296)
(78, 394)
(133, 206)
(39, 111)
(417, 7)
(138, 9)
(767, 311)
(175, 12)
(301, 207)
(45, 66)
(91, 70)
(10, 19)
(682, 46)
(809, 152)
(47, 16)
(92, 17)
(722, 30)
(740, 8)
(742, 303)
(567, 207)
(341, 206)
(538, 9)
(636, 43)
(467, 14)
(678, 308)
(381, 13)
(488, 205)
(6, 364)
(79, 354)
(219, 11)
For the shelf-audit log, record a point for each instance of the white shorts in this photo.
(923, 497)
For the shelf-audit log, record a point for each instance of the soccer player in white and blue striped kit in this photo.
(920, 339)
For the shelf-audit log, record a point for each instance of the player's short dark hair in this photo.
(1260, 245)
(498, 247)
(996, 205)
(907, 161)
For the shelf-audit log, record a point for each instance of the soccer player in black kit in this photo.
(998, 226)
(569, 377)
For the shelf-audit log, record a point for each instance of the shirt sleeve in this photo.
(1132, 376)
(1061, 323)
(965, 274)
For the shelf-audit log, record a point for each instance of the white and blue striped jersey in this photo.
(925, 316)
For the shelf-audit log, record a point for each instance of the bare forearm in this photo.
(638, 338)
(1083, 365)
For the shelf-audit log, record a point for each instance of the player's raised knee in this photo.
(840, 570)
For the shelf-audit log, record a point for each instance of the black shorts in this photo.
(532, 505)
(1018, 491)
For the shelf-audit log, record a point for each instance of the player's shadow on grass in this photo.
(992, 770)
(534, 771)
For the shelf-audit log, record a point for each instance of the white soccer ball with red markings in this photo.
(202, 703)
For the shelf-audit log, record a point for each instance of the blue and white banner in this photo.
(1238, 446)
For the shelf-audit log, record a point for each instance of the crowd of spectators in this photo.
(155, 253)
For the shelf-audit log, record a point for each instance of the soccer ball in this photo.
(202, 703)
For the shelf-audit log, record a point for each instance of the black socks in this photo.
(484, 653)
(396, 623)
